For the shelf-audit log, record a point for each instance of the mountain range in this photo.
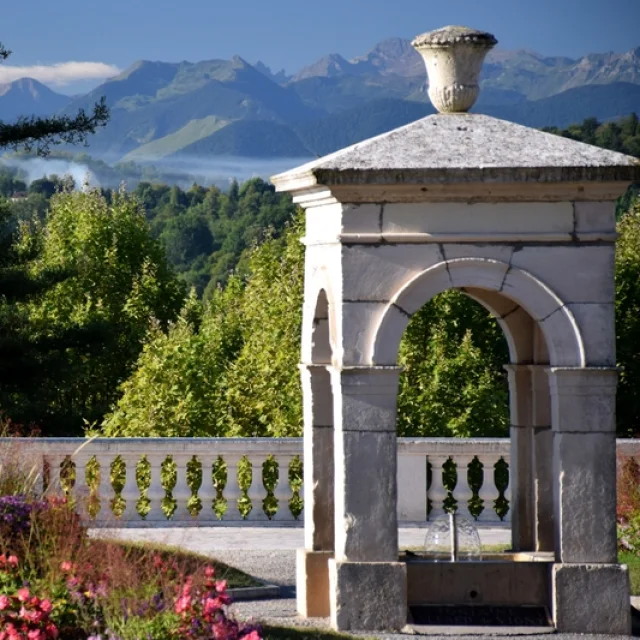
(233, 108)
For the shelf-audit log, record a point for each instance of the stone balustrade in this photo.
(256, 481)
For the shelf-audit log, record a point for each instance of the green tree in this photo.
(628, 320)
(214, 372)
(175, 388)
(85, 330)
(453, 383)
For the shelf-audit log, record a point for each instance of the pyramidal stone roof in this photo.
(462, 148)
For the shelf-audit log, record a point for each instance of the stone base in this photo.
(312, 583)
(591, 598)
(368, 596)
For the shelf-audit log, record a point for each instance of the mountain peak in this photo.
(28, 96)
(280, 77)
(329, 66)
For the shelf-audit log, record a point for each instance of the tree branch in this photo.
(41, 133)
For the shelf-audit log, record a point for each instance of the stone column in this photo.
(521, 465)
(590, 591)
(312, 561)
(368, 584)
(542, 458)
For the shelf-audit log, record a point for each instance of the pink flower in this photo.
(23, 594)
(211, 605)
(183, 603)
(66, 566)
(254, 635)
(221, 586)
(209, 571)
(36, 634)
(4, 603)
(13, 561)
(46, 606)
(33, 616)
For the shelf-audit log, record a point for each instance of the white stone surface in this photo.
(376, 273)
(366, 495)
(412, 480)
(583, 400)
(597, 326)
(359, 320)
(368, 596)
(591, 598)
(585, 497)
(575, 273)
(468, 219)
(595, 217)
(366, 399)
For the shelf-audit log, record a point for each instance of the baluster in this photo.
(463, 492)
(80, 490)
(437, 491)
(105, 489)
(130, 491)
(155, 492)
(488, 491)
(207, 491)
(181, 491)
(232, 492)
(283, 490)
(55, 468)
(257, 493)
(507, 491)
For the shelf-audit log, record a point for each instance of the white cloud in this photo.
(60, 74)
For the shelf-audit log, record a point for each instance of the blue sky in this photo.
(283, 33)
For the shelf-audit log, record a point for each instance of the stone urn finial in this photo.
(454, 57)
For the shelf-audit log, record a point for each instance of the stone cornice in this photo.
(314, 194)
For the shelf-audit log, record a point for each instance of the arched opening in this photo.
(539, 331)
(320, 333)
(319, 482)
(453, 383)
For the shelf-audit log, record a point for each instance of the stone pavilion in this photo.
(519, 220)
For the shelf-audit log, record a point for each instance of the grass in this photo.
(485, 548)
(190, 561)
(633, 562)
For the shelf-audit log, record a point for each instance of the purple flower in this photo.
(15, 512)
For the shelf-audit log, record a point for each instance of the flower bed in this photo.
(57, 582)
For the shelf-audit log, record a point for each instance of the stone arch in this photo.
(318, 325)
(477, 277)
(318, 342)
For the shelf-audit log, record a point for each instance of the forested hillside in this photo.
(167, 311)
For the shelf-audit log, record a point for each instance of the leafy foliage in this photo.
(453, 384)
(98, 279)
(213, 373)
(628, 320)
